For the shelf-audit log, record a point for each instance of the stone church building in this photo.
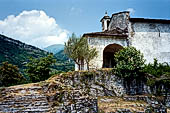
(150, 36)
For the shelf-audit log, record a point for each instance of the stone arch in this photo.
(108, 55)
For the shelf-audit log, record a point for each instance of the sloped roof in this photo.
(111, 33)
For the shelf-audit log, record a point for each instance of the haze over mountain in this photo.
(54, 48)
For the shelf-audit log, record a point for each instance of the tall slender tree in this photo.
(71, 49)
(79, 50)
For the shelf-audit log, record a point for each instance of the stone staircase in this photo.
(45, 98)
(23, 99)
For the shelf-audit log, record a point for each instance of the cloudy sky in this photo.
(46, 22)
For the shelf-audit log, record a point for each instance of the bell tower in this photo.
(105, 22)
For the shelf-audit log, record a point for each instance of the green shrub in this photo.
(129, 62)
(10, 75)
(150, 82)
(159, 76)
(157, 69)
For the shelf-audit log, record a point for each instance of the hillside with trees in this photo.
(17, 52)
(63, 62)
(23, 63)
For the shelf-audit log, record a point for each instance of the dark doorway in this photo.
(108, 55)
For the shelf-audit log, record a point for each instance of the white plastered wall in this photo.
(152, 39)
(100, 43)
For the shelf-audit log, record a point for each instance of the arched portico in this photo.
(108, 55)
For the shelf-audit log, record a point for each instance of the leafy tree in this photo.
(39, 69)
(79, 51)
(88, 52)
(71, 49)
(10, 75)
(129, 62)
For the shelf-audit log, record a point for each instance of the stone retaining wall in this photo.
(68, 92)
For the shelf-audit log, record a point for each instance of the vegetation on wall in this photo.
(157, 69)
(158, 76)
(130, 66)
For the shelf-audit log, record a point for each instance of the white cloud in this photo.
(131, 10)
(35, 28)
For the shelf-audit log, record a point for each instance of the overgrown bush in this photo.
(159, 76)
(129, 62)
(157, 69)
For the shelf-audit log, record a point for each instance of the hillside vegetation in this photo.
(18, 53)
(63, 63)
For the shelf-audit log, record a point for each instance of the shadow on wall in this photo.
(108, 55)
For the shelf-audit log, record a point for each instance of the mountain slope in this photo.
(16, 52)
(63, 63)
(54, 48)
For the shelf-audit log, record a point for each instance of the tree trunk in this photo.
(79, 66)
(87, 66)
